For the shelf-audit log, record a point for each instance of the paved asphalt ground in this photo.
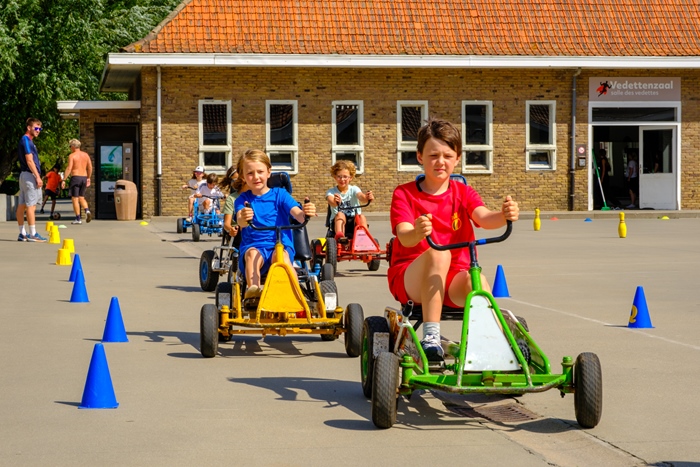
(297, 401)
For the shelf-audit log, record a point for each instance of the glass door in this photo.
(658, 167)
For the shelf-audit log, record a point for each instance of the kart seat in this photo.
(302, 250)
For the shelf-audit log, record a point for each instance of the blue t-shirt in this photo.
(26, 146)
(272, 208)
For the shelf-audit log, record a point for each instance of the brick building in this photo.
(311, 82)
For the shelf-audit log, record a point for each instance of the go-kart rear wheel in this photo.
(180, 225)
(372, 325)
(354, 317)
(332, 252)
(522, 321)
(588, 390)
(385, 396)
(208, 278)
(195, 232)
(373, 265)
(327, 272)
(209, 331)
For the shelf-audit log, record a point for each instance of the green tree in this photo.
(54, 50)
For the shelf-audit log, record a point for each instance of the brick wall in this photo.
(315, 89)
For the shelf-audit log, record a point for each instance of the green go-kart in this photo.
(495, 355)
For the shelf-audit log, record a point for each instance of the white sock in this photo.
(430, 328)
(32, 230)
(22, 231)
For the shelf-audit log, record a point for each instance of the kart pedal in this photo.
(251, 303)
(437, 366)
(343, 240)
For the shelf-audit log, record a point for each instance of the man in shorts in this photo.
(53, 180)
(30, 182)
(80, 167)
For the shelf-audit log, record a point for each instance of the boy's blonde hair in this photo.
(343, 165)
(251, 155)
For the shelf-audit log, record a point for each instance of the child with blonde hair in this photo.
(345, 195)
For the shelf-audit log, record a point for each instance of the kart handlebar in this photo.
(352, 208)
(481, 241)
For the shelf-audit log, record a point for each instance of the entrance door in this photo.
(658, 168)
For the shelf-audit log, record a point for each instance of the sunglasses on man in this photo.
(37, 128)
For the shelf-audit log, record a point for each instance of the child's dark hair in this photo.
(442, 130)
(212, 178)
(343, 165)
(226, 183)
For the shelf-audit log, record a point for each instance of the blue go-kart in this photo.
(206, 223)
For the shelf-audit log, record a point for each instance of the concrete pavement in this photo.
(297, 400)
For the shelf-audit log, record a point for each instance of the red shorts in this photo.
(398, 289)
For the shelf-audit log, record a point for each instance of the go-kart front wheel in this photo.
(372, 325)
(327, 272)
(209, 331)
(385, 396)
(354, 317)
(208, 278)
(195, 232)
(588, 390)
(373, 265)
(332, 252)
(180, 225)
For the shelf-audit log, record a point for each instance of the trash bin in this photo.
(125, 197)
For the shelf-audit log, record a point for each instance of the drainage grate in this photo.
(502, 413)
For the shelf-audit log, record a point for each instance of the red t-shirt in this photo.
(52, 181)
(452, 223)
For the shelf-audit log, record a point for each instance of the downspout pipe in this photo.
(159, 146)
(572, 163)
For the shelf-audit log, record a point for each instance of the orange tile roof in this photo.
(449, 27)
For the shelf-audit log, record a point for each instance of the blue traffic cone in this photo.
(639, 317)
(114, 328)
(79, 294)
(76, 267)
(500, 288)
(98, 392)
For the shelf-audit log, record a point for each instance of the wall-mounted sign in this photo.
(613, 88)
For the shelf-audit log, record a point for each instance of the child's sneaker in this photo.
(432, 347)
(88, 216)
(36, 238)
(22, 238)
(76, 221)
(253, 292)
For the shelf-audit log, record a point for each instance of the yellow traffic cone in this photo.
(622, 228)
(68, 245)
(54, 237)
(63, 258)
(537, 223)
(49, 224)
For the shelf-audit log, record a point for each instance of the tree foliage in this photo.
(54, 50)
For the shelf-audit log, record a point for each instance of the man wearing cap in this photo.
(80, 167)
(193, 184)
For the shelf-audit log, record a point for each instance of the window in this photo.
(410, 116)
(540, 148)
(477, 139)
(215, 135)
(281, 135)
(348, 138)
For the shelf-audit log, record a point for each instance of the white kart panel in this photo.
(487, 347)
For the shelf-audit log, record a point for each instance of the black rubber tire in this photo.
(588, 390)
(180, 225)
(332, 252)
(525, 350)
(354, 318)
(208, 278)
(317, 254)
(373, 265)
(385, 397)
(327, 272)
(222, 290)
(209, 331)
(372, 325)
(522, 321)
(195, 232)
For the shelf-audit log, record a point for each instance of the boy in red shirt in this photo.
(53, 180)
(445, 210)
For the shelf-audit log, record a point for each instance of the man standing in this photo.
(30, 182)
(80, 167)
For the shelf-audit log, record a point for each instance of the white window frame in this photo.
(488, 147)
(551, 148)
(408, 146)
(211, 148)
(294, 149)
(359, 149)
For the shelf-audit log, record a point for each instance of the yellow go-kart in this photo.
(293, 301)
